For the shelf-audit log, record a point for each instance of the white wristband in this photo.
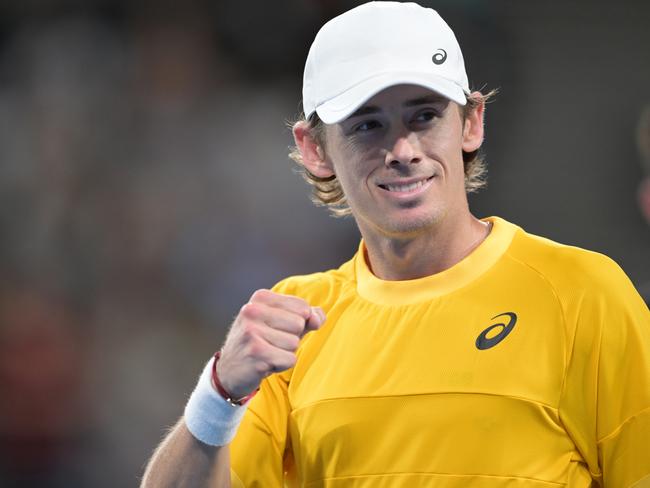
(210, 418)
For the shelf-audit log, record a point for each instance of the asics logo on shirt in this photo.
(485, 342)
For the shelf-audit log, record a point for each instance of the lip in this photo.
(407, 181)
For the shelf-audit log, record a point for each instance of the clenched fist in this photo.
(263, 339)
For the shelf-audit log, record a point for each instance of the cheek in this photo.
(349, 175)
(358, 151)
(445, 145)
(353, 164)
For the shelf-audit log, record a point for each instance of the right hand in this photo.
(263, 339)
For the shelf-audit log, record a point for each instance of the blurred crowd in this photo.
(145, 192)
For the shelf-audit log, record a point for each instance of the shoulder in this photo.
(601, 309)
(569, 269)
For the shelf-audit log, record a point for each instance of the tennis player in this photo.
(450, 351)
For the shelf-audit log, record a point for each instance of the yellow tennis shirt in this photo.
(527, 364)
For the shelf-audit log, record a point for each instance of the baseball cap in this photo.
(377, 45)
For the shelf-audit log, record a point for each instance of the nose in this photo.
(403, 151)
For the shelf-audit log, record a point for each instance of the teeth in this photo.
(406, 188)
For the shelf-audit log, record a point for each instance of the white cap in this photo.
(377, 45)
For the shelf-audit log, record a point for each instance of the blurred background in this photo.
(145, 190)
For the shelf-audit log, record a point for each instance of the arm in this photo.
(182, 460)
(605, 402)
(263, 339)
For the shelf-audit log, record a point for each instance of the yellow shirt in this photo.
(527, 364)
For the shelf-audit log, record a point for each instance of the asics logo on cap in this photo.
(439, 57)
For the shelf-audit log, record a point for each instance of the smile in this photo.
(406, 188)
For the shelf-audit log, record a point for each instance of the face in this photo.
(399, 160)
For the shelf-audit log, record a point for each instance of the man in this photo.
(456, 351)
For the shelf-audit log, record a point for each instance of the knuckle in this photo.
(297, 325)
(263, 369)
(255, 348)
(305, 310)
(249, 332)
(244, 309)
(294, 342)
(260, 295)
(289, 362)
(250, 311)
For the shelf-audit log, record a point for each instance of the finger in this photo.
(276, 360)
(280, 339)
(267, 316)
(315, 320)
(286, 302)
(280, 319)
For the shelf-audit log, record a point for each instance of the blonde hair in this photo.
(327, 192)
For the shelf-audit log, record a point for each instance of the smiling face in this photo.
(399, 160)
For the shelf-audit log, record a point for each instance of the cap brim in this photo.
(342, 106)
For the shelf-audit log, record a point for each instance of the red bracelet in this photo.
(222, 391)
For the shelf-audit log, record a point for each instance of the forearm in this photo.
(183, 461)
(252, 351)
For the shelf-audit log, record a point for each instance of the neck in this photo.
(434, 250)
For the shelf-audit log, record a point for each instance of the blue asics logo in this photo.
(485, 342)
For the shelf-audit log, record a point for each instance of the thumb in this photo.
(315, 320)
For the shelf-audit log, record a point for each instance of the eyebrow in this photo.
(372, 109)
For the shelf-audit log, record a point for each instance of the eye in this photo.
(366, 125)
(426, 115)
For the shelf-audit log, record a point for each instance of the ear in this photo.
(473, 127)
(313, 155)
(644, 198)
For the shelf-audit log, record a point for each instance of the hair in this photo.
(327, 192)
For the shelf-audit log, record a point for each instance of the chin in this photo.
(410, 223)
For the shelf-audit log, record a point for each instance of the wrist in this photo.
(208, 416)
(223, 391)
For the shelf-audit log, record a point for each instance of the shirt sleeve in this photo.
(605, 402)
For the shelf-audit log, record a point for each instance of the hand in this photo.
(263, 339)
